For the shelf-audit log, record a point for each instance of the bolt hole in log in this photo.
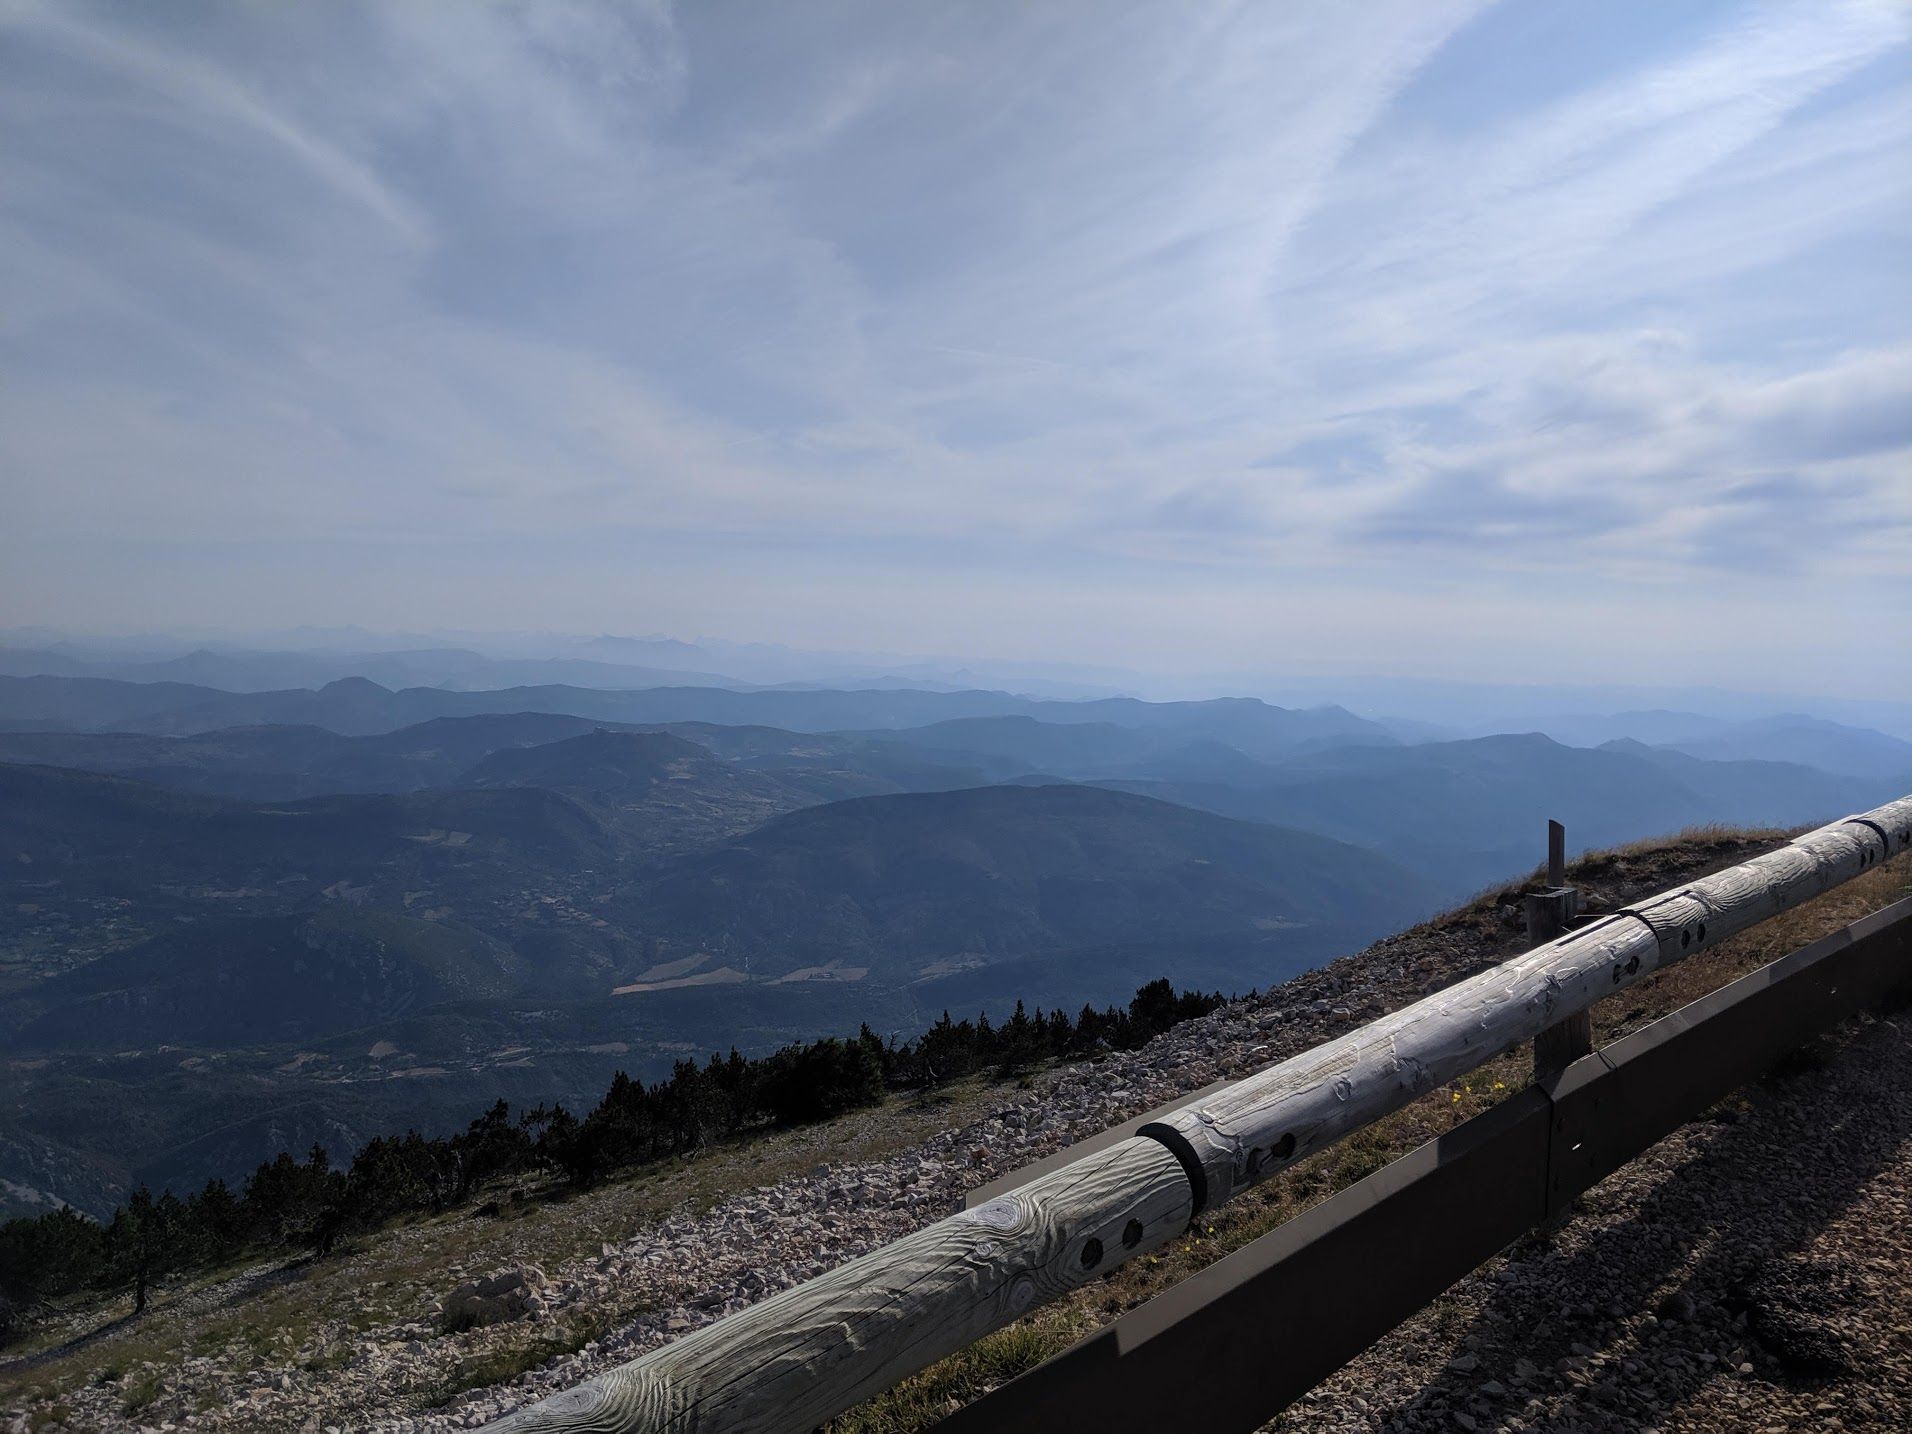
(1092, 1252)
(1285, 1146)
(1686, 939)
(1131, 1234)
(1702, 931)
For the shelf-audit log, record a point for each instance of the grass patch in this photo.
(497, 1366)
(140, 1394)
(922, 1399)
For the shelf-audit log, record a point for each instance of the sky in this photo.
(1560, 341)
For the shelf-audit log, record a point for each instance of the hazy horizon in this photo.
(1447, 706)
(1189, 340)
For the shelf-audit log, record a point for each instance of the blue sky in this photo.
(1562, 340)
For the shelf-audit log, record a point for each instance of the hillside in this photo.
(99, 863)
(1101, 738)
(618, 895)
(1830, 746)
(356, 963)
(108, 834)
(1466, 813)
(919, 886)
(252, 981)
(657, 793)
(285, 763)
(357, 706)
(635, 1263)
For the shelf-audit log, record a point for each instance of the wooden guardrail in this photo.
(1286, 1310)
(793, 1361)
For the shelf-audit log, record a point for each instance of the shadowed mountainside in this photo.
(284, 763)
(179, 961)
(961, 878)
(263, 980)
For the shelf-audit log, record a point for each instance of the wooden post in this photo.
(1547, 913)
(790, 1363)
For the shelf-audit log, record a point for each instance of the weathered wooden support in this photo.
(1563, 1043)
(1547, 913)
(788, 1364)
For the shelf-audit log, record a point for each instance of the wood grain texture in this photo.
(793, 1361)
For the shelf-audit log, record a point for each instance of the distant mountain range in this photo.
(1793, 737)
(232, 922)
(356, 707)
(456, 668)
(1468, 814)
(312, 657)
(671, 787)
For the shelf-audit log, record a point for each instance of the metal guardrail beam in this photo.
(1277, 1316)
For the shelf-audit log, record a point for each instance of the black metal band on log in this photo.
(790, 1363)
(1177, 1145)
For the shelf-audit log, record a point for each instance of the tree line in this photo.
(311, 1204)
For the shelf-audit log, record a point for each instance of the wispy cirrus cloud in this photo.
(1307, 300)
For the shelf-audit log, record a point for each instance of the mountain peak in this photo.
(355, 687)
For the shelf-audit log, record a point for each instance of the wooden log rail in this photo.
(1320, 1288)
(790, 1363)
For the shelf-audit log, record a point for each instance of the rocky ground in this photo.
(358, 1343)
(1751, 1272)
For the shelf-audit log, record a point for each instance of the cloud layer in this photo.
(1221, 334)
